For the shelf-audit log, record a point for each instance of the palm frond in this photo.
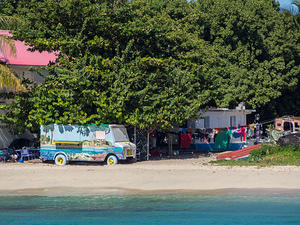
(7, 45)
(9, 81)
(10, 22)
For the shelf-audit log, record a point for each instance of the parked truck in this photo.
(65, 143)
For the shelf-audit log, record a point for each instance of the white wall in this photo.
(219, 119)
(5, 136)
(32, 75)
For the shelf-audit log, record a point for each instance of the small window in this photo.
(206, 122)
(191, 124)
(296, 124)
(288, 126)
(232, 121)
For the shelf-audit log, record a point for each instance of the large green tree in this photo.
(135, 63)
(146, 92)
(289, 101)
(154, 63)
(256, 50)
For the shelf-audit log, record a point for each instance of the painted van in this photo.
(64, 143)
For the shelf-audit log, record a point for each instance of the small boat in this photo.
(238, 154)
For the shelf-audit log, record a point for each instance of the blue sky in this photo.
(286, 4)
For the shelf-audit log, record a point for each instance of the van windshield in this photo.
(120, 134)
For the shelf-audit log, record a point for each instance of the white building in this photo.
(221, 117)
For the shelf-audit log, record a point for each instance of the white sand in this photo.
(164, 175)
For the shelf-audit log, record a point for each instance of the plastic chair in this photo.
(25, 153)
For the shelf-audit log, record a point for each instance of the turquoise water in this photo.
(152, 209)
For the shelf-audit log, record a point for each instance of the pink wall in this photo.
(23, 56)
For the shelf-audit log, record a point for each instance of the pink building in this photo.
(20, 63)
(25, 59)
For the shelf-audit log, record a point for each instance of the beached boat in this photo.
(238, 154)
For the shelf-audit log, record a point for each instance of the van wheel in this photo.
(60, 160)
(111, 160)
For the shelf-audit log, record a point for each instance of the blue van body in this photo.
(85, 142)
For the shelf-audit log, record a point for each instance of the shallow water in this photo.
(152, 209)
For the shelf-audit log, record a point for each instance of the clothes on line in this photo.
(185, 140)
(243, 134)
(222, 140)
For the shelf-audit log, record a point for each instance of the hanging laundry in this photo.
(257, 132)
(235, 134)
(230, 130)
(209, 130)
(249, 132)
(222, 140)
(190, 130)
(252, 126)
(243, 134)
(185, 140)
(211, 135)
(205, 139)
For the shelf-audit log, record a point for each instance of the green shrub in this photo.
(266, 150)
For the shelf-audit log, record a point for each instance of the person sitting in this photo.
(13, 156)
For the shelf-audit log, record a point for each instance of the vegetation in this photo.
(153, 63)
(8, 80)
(267, 155)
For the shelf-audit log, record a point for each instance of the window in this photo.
(296, 124)
(206, 122)
(288, 126)
(232, 121)
(120, 134)
(192, 124)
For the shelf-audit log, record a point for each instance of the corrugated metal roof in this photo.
(248, 111)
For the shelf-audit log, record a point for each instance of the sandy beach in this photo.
(188, 175)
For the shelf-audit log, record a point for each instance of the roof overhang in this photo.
(244, 111)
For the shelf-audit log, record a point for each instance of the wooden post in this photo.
(134, 135)
(148, 145)
(170, 144)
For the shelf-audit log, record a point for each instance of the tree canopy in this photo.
(153, 64)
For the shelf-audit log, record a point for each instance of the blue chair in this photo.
(25, 153)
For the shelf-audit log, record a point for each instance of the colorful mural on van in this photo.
(64, 143)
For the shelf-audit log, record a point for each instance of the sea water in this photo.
(157, 209)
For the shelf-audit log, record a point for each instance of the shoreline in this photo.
(194, 175)
(76, 192)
